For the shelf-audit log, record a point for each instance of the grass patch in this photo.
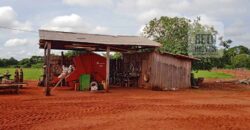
(29, 73)
(211, 74)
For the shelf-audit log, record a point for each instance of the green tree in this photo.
(177, 34)
(8, 62)
(172, 33)
(3, 62)
(232, 52)
(241, 61)
(36, 59)
(74, 53)
(12, 61)
(236, 51)
(225, 43)
(116, 55)
(25, 63)
(203, 64)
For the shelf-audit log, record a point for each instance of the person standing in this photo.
(21, 75)
(16, 78)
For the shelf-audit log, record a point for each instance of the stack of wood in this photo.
(244, 81)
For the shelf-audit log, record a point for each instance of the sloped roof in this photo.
(46, 35)
(180, 56)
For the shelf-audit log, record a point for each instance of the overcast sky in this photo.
(123, 17)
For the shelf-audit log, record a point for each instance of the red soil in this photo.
(214, 106)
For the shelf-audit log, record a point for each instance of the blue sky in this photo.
(123, 17)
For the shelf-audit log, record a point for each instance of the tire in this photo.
(93, 86)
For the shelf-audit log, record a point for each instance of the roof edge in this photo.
(179, 55)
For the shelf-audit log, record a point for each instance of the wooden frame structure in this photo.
(90, 42)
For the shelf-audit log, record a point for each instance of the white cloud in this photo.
(220, 9)
(140, 31)
(7, 14)
(8, 18)
(68, 23)
(16, 42)
(13, 46)
(236, 28)
(218, 25)
(100, 29)
(148, 15)
(86, 3)
(73, 23)
(239, 33)
(20, 48)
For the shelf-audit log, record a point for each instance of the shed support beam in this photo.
(107, 68)
(47, 79)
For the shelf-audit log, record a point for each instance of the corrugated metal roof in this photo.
(96, 38)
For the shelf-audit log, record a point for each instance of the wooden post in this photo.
(47, 83)
(62, 64)
(107, 68)
(44, 65)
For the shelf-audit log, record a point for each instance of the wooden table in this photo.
(12, 86)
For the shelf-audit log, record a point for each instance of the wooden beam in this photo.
(47, 80)
(62, 56)
(79, 47)
(119, 49)
(107, 68)
(45, 45)
(45, 68)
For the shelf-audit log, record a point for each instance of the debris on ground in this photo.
(235, 81)
(244, 81)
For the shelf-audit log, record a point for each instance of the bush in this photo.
(241, 61)
(37, 65)
(229, 67)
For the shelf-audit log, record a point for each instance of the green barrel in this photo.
(84, 82)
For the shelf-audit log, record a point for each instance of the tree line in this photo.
(34, 62)
(234, 57)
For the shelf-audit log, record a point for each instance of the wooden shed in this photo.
(158, 71)
(137, 68)
(167, 71)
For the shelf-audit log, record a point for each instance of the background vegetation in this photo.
(33, 62)
(29, 73)
(174, 35)
(210, 74)
(174, 32)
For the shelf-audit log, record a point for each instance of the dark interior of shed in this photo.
(124, 70)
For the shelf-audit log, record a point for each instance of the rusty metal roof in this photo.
(46, 35)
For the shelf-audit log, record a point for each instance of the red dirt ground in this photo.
(213, 106)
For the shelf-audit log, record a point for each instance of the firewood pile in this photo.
(244, 81)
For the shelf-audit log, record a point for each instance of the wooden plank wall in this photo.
(165, 72)
(168, 72)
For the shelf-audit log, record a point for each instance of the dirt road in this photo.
(128, 108)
